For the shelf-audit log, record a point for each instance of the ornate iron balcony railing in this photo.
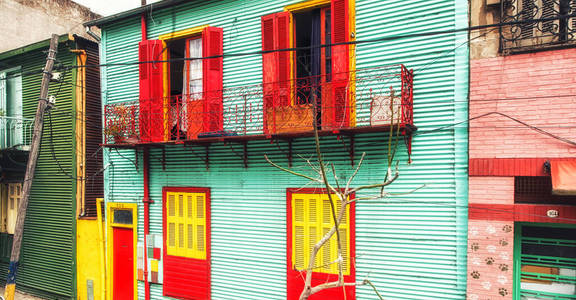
(373, 97)
(15, 132)
(540, 24)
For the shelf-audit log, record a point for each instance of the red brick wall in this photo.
(546, 74)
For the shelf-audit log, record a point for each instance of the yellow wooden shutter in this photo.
(186, 224)
(14, 196)
(311, 220)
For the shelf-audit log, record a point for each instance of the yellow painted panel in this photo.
(306, 5)
(182, 33)
(88, 260)
(186, 224)
(311, 220)
(153, 265)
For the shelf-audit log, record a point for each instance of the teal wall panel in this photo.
(411, 247)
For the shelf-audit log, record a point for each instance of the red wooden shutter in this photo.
(212, 39)
(340, 111)
(151, 115)
(269, 67)
(276, 66)
(284, 63)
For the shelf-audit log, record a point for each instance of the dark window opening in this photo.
(176, 54)
(313, 63)
(538, 189)
(123, 216)
(307, 38)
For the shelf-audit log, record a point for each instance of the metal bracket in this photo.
(290, 153)
(207, 159)
(163, 159)
(245, 144)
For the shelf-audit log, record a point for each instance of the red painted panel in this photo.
(187, 278)
(339, 108)
(123, 269)
(522, 213)
(212, 39)
(284, 62)
(507, 167)
(151, 117)
(269, 65)
(494, 212)
(295, 279)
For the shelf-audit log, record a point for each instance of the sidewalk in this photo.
(19, 296)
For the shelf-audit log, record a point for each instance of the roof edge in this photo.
(132, 12)
(38, 45)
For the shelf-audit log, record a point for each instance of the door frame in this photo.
(110, 224)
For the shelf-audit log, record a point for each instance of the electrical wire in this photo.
(356, 42)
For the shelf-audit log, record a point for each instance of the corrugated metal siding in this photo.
(46, 261)
(95, 181)
(412, 247)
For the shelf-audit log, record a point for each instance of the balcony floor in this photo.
(406, 130)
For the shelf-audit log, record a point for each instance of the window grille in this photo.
(540, 24)
(538, 189)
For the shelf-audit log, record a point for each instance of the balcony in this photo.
(15, 132)
(372, 100)
(536, 24)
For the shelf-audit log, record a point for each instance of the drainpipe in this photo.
(146, 179)
(147, 201)
(92, 34)
(144, 27)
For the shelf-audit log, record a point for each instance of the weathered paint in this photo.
(88, 250)
(412, 247)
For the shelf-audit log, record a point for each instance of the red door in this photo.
(123, 276)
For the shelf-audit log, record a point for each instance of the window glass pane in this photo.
(122, 216)
(194, 78)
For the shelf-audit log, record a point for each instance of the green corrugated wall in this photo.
(47, 265)
(411, 247)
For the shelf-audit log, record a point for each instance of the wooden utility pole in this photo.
(43, 104)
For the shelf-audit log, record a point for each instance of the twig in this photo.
(366, 281)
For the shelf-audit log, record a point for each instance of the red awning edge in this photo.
(563, 172)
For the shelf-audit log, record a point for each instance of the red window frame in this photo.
(187, 278)
(295, 279)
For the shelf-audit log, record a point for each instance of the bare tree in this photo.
(342, 193)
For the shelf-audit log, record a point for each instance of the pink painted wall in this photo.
(490, 259)
(492, 190)
(542, 86)
(538, 89)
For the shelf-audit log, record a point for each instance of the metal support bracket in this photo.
(163, 159)
(245, 144)
(207, 158)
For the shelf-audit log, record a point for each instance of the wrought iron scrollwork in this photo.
(537, 24)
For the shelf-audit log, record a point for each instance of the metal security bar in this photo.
(547, 263)
(15, 132)
(540, 24)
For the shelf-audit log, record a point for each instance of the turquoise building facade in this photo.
(411, 245)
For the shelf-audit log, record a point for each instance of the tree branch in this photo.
(355, 172)
(290, 171)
